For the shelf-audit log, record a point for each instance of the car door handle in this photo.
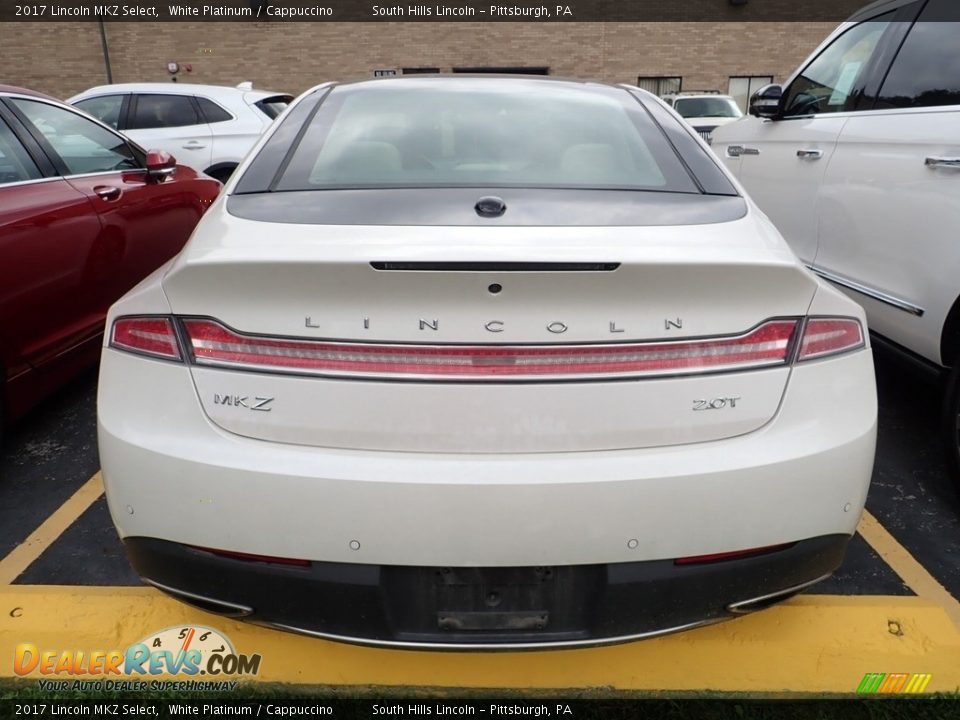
(810, 154)
(107, 192)
(194, 145)
(738, 150)
(944, 162)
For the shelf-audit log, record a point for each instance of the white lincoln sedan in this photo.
(485, 362)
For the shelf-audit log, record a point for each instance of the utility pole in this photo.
(106, 52)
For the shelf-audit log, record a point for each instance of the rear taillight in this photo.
(153, 336)
(829, 336)
(213, 344)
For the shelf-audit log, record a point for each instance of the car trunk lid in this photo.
(466, 312)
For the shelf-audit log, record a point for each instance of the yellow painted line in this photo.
(811, 644)
(22, 555)
(906, 566)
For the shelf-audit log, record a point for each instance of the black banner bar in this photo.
(486, 709)
(422, 11)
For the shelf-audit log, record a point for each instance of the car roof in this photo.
(176, 88)
(14, 90)
(877, 7)
(456, 79)
(685, 96)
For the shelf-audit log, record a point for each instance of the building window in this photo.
(504, 70)
(420, 71)
(741, 88)
(660, 85)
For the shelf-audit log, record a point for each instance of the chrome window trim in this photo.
(71, 177)
(868, 291)
(35, 181)
(103, 172)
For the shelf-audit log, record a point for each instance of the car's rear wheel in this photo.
(951, 423)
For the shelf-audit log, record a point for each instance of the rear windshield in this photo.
(707, 107)
(273, 106)
(482, 133)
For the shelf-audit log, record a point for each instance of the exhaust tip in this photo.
(202, 602)
(762, 602)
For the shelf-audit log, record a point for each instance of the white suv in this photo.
(856, 159)
(705, 112)
(208, 127)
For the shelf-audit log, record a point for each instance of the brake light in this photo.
(829, 336)
(736, 554)
(153, 336)
(768, 344)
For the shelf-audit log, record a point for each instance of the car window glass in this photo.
(105, 109)
(483, 135)
(84, 146)
(162, 111)
(212, 112)
(827, 84)
(926, 72)
(15, 164)
(707, 107)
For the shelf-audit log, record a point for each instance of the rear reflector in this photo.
(147, 335)
(829, 336)
(213, 344)
(250, 557)
(720, 557)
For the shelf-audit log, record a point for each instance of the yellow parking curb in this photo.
(811, 644)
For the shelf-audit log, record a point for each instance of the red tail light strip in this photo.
(828, 336)
(766, 345)
(147, 335)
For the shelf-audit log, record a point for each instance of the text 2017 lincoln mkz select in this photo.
(485, 362)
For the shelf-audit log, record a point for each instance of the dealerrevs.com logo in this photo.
(186, 652)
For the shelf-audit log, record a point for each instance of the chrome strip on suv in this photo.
(870, 292)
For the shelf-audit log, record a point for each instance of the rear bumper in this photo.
(489, 608)
(171, 474)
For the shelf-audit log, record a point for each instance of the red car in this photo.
(85, 215)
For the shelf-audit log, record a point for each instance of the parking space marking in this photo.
(20, 558)
(809, 644)
(907, 566)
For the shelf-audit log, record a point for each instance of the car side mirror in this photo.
(160, 165)
(765, 102)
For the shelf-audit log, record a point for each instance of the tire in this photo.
(950, 428)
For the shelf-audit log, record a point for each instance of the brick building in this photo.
(65, 58)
